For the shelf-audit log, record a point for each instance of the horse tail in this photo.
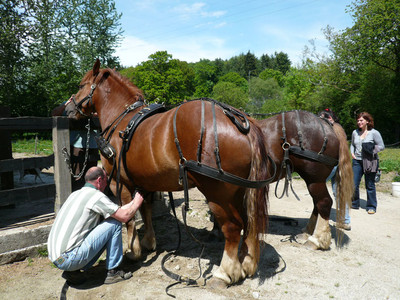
(344, 175)
(257, 199)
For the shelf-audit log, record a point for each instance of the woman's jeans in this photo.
(105, 236)
(369, 178)
(332, 177)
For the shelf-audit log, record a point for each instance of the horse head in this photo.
(101, 88)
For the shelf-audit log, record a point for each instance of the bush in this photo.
(389, 160)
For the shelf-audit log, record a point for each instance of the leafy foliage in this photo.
(48, 46)
(164, 79)
(230, 93)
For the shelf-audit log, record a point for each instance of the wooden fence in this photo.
(61, 188)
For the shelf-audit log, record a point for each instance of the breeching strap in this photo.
(286, 164)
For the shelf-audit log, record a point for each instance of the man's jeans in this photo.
(105, 236)
(332, 177)
(369, 178)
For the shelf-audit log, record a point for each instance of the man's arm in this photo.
(127, 212)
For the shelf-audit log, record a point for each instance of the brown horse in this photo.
(328, 142)
(153, 161)
(311, 133)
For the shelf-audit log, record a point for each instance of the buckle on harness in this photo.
(105, 148)
(182, 162)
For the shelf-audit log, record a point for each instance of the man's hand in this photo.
(137, 200)
(125, 213)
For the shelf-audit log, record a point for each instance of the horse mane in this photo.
(132, 88)
(125, 81)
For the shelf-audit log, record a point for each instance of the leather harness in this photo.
(300, 151)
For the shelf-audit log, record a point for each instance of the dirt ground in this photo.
(367, 267)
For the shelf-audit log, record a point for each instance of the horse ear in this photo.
(96, 67)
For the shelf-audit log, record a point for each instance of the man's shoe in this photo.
(342, 226)
(74, 277)
(114, 276)
(371, 211)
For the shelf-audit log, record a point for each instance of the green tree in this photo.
(164, 79)
(54, 43)
(236, 79)
(261, 91)
(250, 64)
(230, 93)
(205, 78)
(236, 64)
(267, 62)
(282, 62)
(298, 89)
(270, 73)
(373, 40)
(13, 31)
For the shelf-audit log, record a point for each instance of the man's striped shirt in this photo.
(80, 213)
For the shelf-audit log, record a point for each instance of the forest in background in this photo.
(47, 45)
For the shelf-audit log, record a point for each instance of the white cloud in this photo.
(188, 12)
(134, 50)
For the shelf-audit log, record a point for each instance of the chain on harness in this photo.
(67, 157)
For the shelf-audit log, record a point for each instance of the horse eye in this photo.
(80, 86)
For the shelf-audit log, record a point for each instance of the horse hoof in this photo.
(217, 284)
(310, 245)
(302, 238)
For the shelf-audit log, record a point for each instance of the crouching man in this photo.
(78, 237)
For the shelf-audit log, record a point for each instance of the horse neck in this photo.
(112, 105)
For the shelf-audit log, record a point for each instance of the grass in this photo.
(33, 146)
(390, 160)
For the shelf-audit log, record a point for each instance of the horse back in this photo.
(303, 129)
(153, 158)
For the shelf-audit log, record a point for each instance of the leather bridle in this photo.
(88, 98)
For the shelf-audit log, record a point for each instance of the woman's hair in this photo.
(94, 173)
(327, 112)
(367, 117)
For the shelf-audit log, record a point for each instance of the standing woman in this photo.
(366, 142)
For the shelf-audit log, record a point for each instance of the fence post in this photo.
(62, 176)
(6, 179)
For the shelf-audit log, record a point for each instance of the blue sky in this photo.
(192, 30)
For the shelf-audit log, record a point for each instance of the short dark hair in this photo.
(94, 173)
(367, 117)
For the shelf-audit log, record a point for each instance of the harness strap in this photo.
(118, 120)
(178, 278)
(200, 144)
(325, 138)
(286, 164)
(234, 115)
(216, 150)
(300, 134)
(283, 127)
(330, 161)
(205, 170)
(178, 146)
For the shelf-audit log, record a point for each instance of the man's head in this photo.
(98, 177)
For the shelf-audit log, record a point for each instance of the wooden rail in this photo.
(62, 186)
